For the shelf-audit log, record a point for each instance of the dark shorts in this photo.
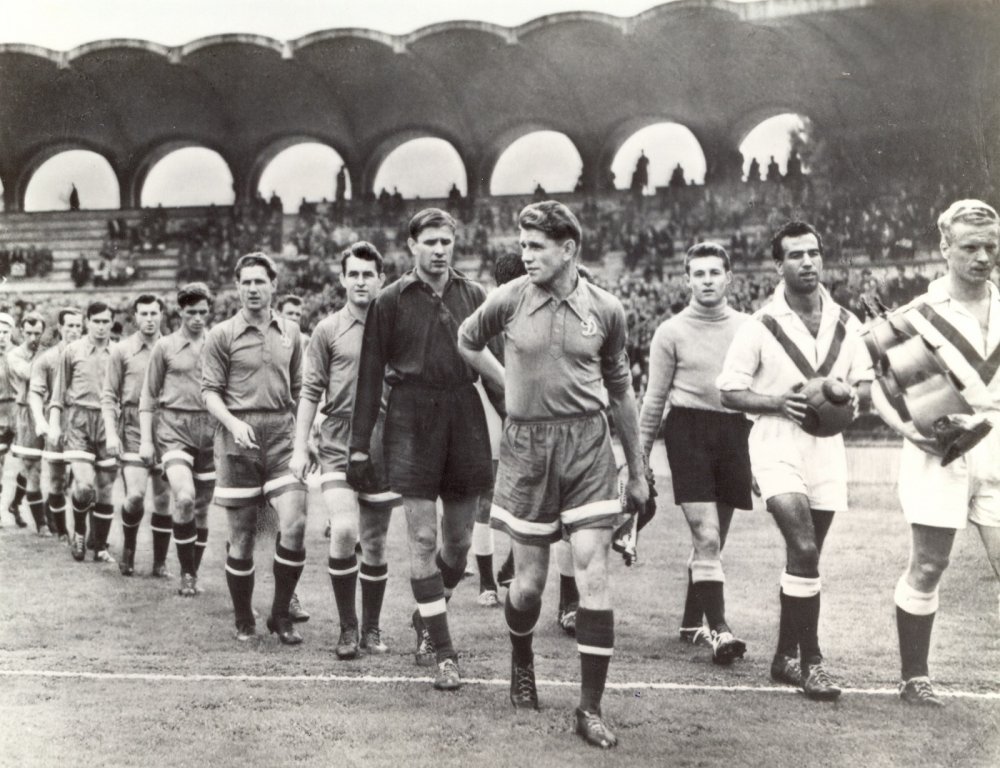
(131, 436)
(556, 476)
(53, 452)
(187, 438)
(84, 440)
(334, 436)
(247, 476)
(708, 455)
(27, 444)
(8, 425)
(437, 443)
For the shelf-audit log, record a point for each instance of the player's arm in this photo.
(110, 399)
(742, 361)
(314, 384)
(617, 375)
(375, 344)
(60, 385)
(904, 428)
(19, 365)
(478, 330)
(214, 378)
(662, 364)
(37, 392)
(152, 386)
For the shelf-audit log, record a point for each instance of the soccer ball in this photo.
(829, 410)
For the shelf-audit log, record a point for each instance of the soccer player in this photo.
(331, 370)
(120, 410)
(962, 310)
(565, 363)
(436, 441)
(802, 478)
(27, 445)
(77, 391)
(706, 443)
(41, 387)
(251, 377)
(8, 410)
(183, 439)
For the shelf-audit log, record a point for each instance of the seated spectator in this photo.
(80, 272)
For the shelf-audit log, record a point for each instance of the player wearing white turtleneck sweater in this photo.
(706, 442)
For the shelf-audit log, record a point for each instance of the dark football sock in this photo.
(20, 488)
(595, 641)
(130, 525)
(288, 566)
(240, 579)
(429, 594)
(788, 642)
(162, 527)
(451, 575)
(344, 579)
(373, 581)
(568, 593)
(808, 614)
(692, 608)
(81, 512)
(199, 547)
(185, 536)
(104, 515)
(485, 565)
(710, 595)
(914, 642)
(37, 507)
(57, 508)
(521, 625)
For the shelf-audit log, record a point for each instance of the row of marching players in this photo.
(383, 401)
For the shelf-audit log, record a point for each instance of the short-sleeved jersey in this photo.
(126, 371)
(253, 368)
(332, 361)
(559, 354)
(19, 361)
(757, 361)
(43, 373)
(80, 376)
(7, 391)
(173, 376)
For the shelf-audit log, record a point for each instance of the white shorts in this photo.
(785, 459)
(968, 489)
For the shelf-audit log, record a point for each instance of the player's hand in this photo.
(300, 465)
(243, 435)
(55, 434)
(636, 494)
(114, 446)
(361, 474)
(42, 428)
(924, 443)
(147, 452)
(793, 406)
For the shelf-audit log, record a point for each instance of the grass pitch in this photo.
(97, 669)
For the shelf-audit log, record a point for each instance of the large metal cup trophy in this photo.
(919, 385)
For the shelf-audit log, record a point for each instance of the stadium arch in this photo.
(156, 155)
(51, 153)
(265, 158)
(387, 146)
(757, 122)
(693, 158)
(519, 140)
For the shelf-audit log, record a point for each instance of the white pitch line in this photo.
(388, 679)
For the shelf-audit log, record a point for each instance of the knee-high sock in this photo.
(693, 614)
(240, 579)
(708, 581)
(373, 581)
(801, 601)
(482, 548)
(521, 625)
(185, 536)
(433, 610)
(915, 613)
(57, 508)
(288, 566)
(104, 514)
(37, 507)
(344, 579)
(81, 510)
(451, 575)
(20, 488)
(200, 544)
(162, 527)
(595, 641)
(131, 517)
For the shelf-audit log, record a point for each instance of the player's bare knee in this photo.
(423, 542)
(928, 571)
(84, 494)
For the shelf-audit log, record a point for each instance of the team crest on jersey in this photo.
(589, 327)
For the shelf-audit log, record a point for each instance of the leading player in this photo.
(565, 345)
(27, 444)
